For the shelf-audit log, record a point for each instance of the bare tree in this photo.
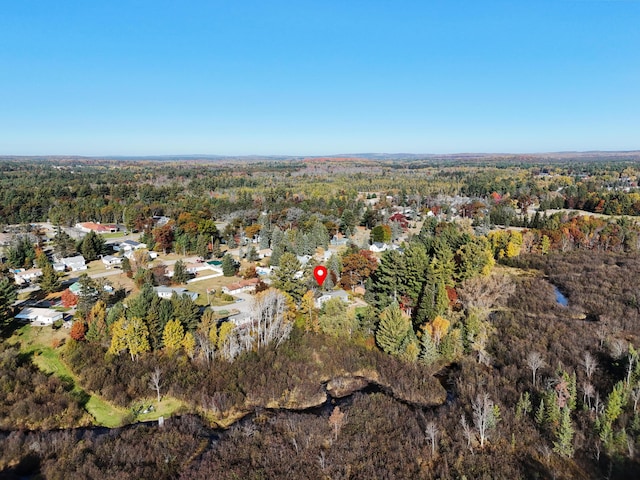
(336, 420)
(618, 348)
(588, 393)
(466, 429)
(154, 381)
(635, 395)
(590, 365)
(484, 417)
(432, 432)
(534, 362)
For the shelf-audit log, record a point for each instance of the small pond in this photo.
(560, 298)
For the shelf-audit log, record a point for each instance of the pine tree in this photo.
(185, 311)
(49, 281)
(64, 246)
(523, 406)
(564, 440)
(8, 295)
(393, 330)
(180, 275)
(97, 330)
(540, 413)
(229, 267)
(428, 349)
(91, 246)
(284, 277)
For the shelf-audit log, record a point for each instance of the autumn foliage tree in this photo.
(68, 299)
(78, 330)
(356, 268)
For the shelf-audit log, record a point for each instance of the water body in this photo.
(560, 298)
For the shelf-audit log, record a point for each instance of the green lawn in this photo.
(167, 407)
(112, 235)
(36, 340)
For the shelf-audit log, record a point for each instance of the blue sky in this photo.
(239, 77)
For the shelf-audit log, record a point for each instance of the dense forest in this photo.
(498, 338)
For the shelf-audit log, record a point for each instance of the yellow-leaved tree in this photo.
(129, 334)
(172, 336)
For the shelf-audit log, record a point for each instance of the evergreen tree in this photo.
(64, 246)
(21, 253)
(229, 266)
(417, 262)
(8, 295)
(388, 280)
(284, 277)
(564, 440)
(180, 275)
(393, 330)
(88, 294)
(139, 305)
(428, 349)
(216, 252)
(202, 246)
(433, 301)
(97, 330)
(91, 246)
(185, 311)
(444, 265)
(252, 254)
(540, 413)
(49, 281)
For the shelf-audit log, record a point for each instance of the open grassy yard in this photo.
(44, 343)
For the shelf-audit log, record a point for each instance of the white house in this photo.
(325, 297)
(59, 267)
(242, 286)
(75, 264)
(378, 247)
(23, 276)
(40, 317)
(111, 261)
(167, 292)
(131, 245)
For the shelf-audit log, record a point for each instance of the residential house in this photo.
(167, 292)
(325, 297)
(339, 239)
(23, 276)
(96, 227)
(111, 261)
(40, 317)
(75, 264)
(242, 286)
(59, 267)
(130, 246)
(378, 247)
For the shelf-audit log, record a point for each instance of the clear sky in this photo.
(235, 77)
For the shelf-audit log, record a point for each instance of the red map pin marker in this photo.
(320, 273)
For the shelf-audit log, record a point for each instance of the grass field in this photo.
(39, 341)
(167, 407)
